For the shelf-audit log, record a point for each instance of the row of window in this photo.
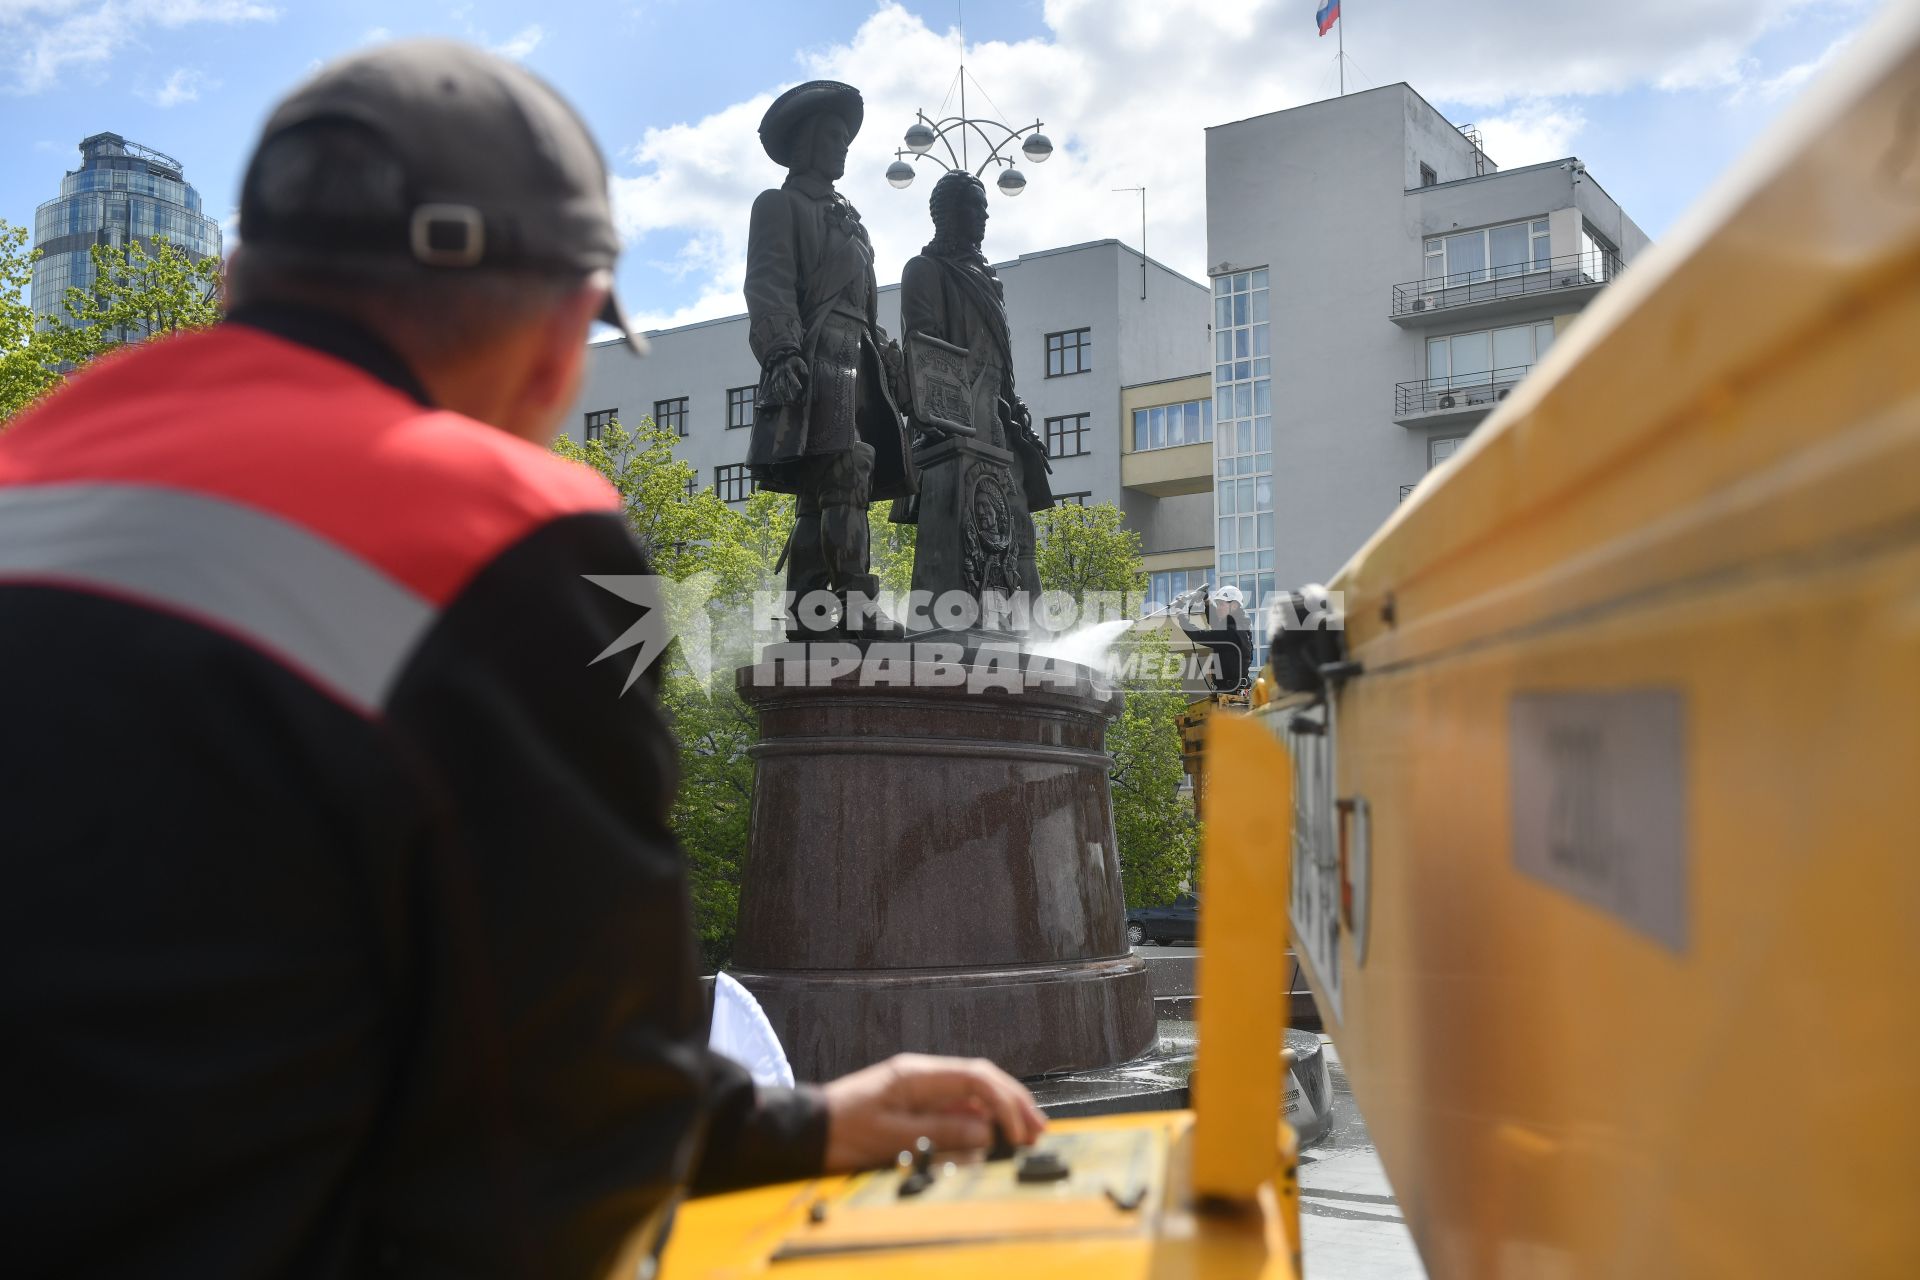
(668, 415)
(1066, 436)
(171, 190)
(1489, 252)
(1067, 353)
(1469, 359)
(124, 216)
(1165, 586)
(735, 483)
(1172, 425)
(1511, 249)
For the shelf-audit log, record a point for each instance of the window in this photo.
(1486, 358)
(1243, 443)
(739, 407)
(671, 415)
(690, 484)
(1172, 425)
(733, 484)
(1598, 259)
(1440, 448)
(1067, 436)
(1162, 587)
(1069, 352)
(1489, 253)
(1428, 177)
(598, 421)
(1072, 499)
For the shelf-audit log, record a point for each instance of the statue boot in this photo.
(846, 545)
(807, 572)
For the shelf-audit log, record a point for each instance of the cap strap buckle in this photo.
(447, 235)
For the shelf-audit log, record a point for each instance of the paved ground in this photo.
(1352, 1227)
(1154, 949)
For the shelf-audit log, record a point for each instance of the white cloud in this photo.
(1531, 132)
(183, 85)
(1788, 82)
(1128, 88)
(521, 43)
(376, 35)
(49, 37)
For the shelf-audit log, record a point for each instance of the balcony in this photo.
(1169, 472)
(1455, 401)
(1567, 282)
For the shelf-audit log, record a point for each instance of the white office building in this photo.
(1379, 285)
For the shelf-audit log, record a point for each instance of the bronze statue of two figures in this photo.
(843, 417)
(931, 863)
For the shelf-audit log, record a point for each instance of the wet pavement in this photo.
(1350, 1223)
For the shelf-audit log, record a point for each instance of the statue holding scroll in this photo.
(982, 469)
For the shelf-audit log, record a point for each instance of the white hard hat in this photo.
(1230, 594)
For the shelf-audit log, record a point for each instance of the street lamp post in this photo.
(925, 133)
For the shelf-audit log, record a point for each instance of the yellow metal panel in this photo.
(1243, 983)
(1708, 494)
(738, 1235)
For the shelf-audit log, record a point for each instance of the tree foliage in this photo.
(1085, 551)
(137, 293)
(26, 362)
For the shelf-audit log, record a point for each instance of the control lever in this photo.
(918, 1166)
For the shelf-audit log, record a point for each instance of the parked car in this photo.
(1178, 921)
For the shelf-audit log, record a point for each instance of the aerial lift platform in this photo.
(1598, 826)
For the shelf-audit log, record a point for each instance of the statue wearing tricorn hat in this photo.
(826, 428)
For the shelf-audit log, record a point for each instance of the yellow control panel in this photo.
(1090, 1181)
(1125, 1209)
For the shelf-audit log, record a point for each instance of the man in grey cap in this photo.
(826, 427)
(343, 932)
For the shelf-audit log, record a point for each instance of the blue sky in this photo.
(1656, 96)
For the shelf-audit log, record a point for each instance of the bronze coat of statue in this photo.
(825, 424)
(950, 293)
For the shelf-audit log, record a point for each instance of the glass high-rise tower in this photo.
(121, 192)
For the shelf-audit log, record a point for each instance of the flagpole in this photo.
(1341, 58)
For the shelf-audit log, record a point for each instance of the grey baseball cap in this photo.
(499, 171)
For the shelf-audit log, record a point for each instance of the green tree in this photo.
(1085, 552)
(893, 546)
(137, 293)
(26, 362)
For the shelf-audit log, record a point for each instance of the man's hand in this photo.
(786, 380)
(876, 1113)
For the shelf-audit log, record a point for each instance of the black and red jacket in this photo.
(341, 928)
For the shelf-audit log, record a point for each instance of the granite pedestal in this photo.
(932, 864)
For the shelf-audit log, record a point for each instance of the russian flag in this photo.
(1328, 15)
